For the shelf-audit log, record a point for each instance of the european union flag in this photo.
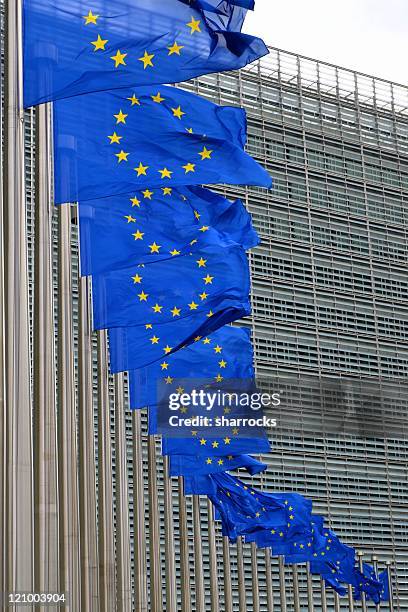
(136, 347)
(226, 353)
(366, 581)
(383, 578)
(74, 47)
(117, 231)
(318, 543)
(170, 290)
(336, 572)
(199, 465)
(119, 141)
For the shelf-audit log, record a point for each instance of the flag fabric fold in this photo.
(115, 142)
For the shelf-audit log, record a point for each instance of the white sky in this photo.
(370, 36)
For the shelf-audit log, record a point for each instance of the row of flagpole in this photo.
(57, 522)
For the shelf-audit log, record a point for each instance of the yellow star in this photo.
(120, 117)
(189, 168)
(204, 228)
(149, 326)
(135, 202)
(193, 242)
(220, 461)
(176, 311)
(157, 308)
(208, 279)
(115, 139)
(203, 441)
(168, 380)
(210, 314)
(141, 169)
(135, 101)
(227, 440)
(203, 295)
(147, 60)
(201, 262)
(147, 194)
(175, 49)
(227, 410)
(189, 130)
(122, 156)
(154, 340)
(138, 235)
(183, 410)
(205, 154)
(167, 349)
(209, 461)
(222, 363)
(143, 296)
(130, 219)
(167, 190)
(194, 25)
(177, 112)
(194, 433)
(180, 390)
(197, 339)
(235, 431)
(175, 252)
(219, 378)
(230, 457)
(154, 248)
(164, 365)
(90, 18)
(119, 59)
(197, 215)
(137, 279)
(193, 306)
(215, 444)
(158, 98)
(99, 44)
(207, 341)
(218, 349)
(165, 173)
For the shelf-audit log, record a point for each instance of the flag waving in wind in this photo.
(74, 47)
(148, 138)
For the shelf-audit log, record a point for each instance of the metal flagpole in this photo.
(198, 557)
(363, 597)
(227, 575)
(67, 446)
(86, 457)
(171, 594)
(255, 581)
(18, 550)
(296, 599)
(241, 576)
(269, 583)
(336, 602)
(184, 550)
(350, 598)
(106, 541)
(375, 566)
(310, 602)
(282, 585)
(391, 602)
(123, 576)
(156, 597)
(2, 364)
(140, 562)
(323, 594)
(215, 596)
(46, 544)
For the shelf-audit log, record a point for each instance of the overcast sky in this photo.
(370, 36)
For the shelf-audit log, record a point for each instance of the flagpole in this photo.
(106, 542)
(139, 528)
(184, 550)
(67, 446)
(360, 565)
(374, 559)
(255, 581)
(295, 578)
(18, 550)
(282, 585)
(391, 602)
(2, 364)
(86, 457)
(156, 598)
(309, 579)
(198, 557)
(46, 540)
(227, 574)
(269, 582)
(171, 593)
(241, 576)
(123, 562)
(350, 598)
(323, 594)
(215, 596)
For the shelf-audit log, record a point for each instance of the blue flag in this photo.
(366, 581)
(119, 141)
(136, 347)
(73, 47)
(116, 232)
(383, 578)
(199, 465)
(170, 290)
(229, 347)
